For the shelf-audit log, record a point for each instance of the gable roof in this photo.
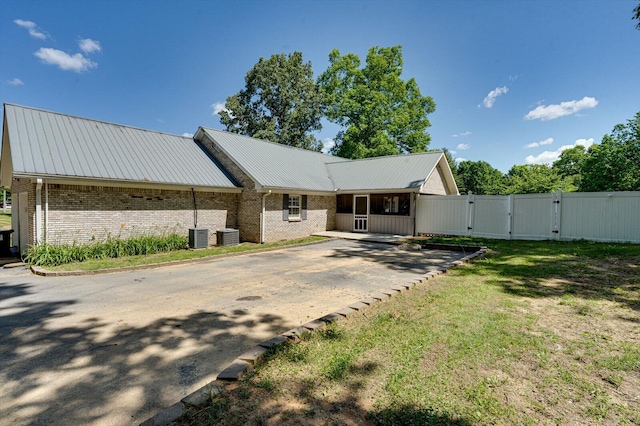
(384, 173)
(275, 166)
(42, 143)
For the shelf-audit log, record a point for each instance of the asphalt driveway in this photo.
(114, 349)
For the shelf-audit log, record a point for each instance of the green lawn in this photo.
(533, 333)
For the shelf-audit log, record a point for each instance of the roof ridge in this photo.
(386, 156)
(275, 143)
(94, 120)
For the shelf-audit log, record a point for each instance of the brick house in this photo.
(78, 180)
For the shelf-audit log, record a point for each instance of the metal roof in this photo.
(52, 144)
(274, 165)
(380, 173)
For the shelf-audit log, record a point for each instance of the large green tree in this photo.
(532, 179)
(614, 164)
(280, 102)
(479, 177)
(569, 166)
(380, 112)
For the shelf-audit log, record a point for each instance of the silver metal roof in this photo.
(274, 165)
(52, 144)
(381, 173)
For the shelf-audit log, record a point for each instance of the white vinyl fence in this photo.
(596, 216)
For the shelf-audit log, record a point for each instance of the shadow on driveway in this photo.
(124, 368)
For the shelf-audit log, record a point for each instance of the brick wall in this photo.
(321, 216)
(90, 213)
(249, 201)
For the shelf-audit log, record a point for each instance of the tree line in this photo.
(382, 114)
(612, 165)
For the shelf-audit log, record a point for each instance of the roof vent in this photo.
(198, 238)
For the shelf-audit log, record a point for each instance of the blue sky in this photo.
(514, 81)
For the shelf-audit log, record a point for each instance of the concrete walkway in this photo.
(364, 236)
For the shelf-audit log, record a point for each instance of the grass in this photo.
(533, 333)
(97, 264)
(5, 220)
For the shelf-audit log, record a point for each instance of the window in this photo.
(391, 204)
(294, 207)
(344, 203)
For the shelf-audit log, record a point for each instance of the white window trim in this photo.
(295, 217)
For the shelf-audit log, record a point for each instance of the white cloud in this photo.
(462, 146)
(89, 46)
(491, 97)
(33, 29)
(187, 135)
(548, 157)
(457, 135)
(452, 152)
(459, 159)
(218, 107)
(328, 144)
(64, 61)
(15, 82)
(554, 111)
(547, 141)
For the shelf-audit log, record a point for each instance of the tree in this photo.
(280, 103)
(480, 178)
(383, 114)
(636, 15)
(532, 179)
(569, 166)
(614, 164)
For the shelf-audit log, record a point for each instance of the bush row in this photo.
(53, 255)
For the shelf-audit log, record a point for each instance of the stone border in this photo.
(37, 270)
(245, 362)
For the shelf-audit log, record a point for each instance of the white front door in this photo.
(361, 213)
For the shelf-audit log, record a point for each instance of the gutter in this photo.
(262, 216)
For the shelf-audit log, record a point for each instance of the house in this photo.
(78, 180)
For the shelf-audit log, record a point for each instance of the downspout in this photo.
(416, 195)
(38, 211)
(46, 211)
(262, 217)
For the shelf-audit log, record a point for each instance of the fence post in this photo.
(558, 222)
(470, 213)
(510, 216)
(555, 202)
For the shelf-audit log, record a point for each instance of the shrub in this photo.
(54, 255)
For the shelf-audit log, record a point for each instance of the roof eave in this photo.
(80, 180)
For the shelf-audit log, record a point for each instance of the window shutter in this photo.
(285, 206)
(303, 211)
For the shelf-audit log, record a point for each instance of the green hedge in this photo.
(53, 255)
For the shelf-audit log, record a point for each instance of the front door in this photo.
(361, 216)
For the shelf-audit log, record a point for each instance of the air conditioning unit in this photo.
(198, 238)
(228, 237)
